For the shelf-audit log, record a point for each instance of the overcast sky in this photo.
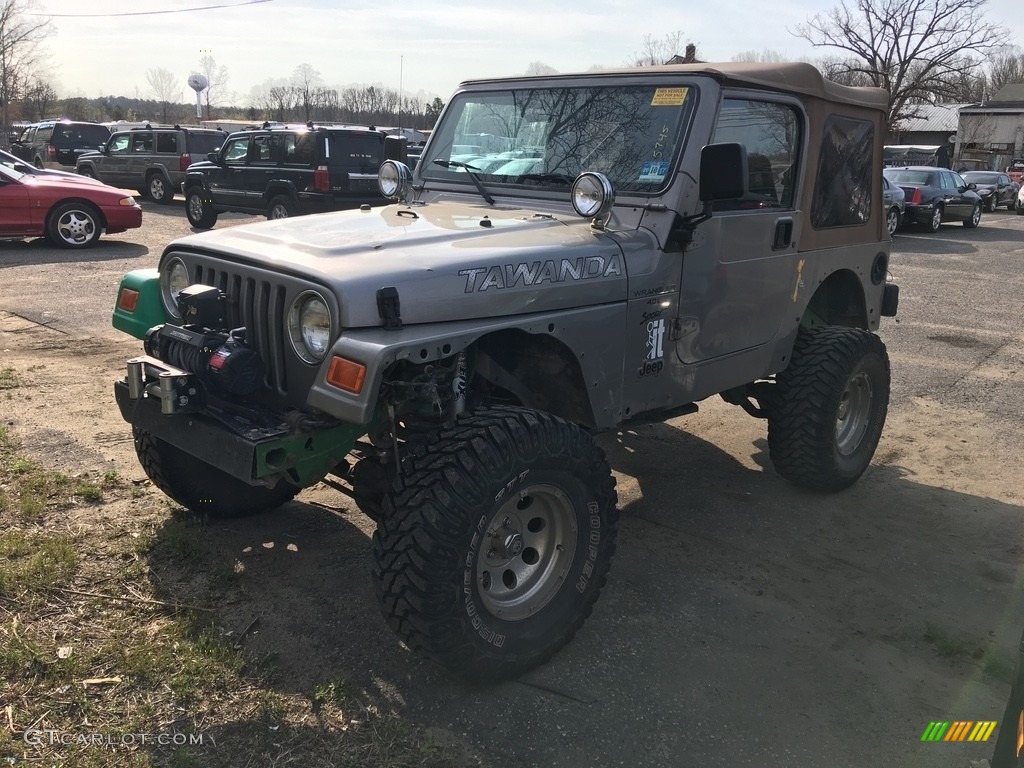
(425, 46)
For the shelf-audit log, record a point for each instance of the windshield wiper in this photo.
(559, 177)
(471, 170)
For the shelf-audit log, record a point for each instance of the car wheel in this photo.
(892, 220)
(73, 225)
(990, 204)
(200, 487)
(826, 413)
(88, 173)
(495, 541)
(935, 223)
(975, 217)
(159, 189)
(199, 209)
(281, 207)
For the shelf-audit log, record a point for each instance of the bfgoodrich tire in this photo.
(496, 541)
(202, 488)
(829, 407)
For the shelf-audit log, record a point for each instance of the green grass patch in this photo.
(949, 647)
(94, 629)
(8, 378)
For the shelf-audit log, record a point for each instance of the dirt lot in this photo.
(744, 623)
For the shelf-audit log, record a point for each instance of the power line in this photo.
(146, 13)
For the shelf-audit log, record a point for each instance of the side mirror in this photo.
(972, 185)
(213, 156)
(723, 172)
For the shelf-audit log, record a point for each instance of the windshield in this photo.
(549, 136)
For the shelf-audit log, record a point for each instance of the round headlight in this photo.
(592, 195)
(173, 280)
(309, 327)
(394, 179)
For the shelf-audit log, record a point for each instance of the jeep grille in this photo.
(258, 300)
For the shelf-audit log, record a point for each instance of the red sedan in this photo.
(69, 212)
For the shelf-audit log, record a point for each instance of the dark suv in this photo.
(152, 160)
(285, 172)
(57, 144)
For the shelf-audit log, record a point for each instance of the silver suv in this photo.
(152, 160)
(573, 253)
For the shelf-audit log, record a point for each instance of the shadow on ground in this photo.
(745, 622)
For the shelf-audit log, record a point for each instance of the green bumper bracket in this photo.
(307, 458)
(138, 307)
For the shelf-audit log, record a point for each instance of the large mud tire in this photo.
(496, 541)
(201, 488)
(829, 406)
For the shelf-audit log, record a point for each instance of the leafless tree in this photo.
(1005, 66)
(305, 81)
(165, 88)
(217, 77)
(539, 68)
(915, 49)
(38, 99)
(21, 32)
(765, 55)
(657, 51)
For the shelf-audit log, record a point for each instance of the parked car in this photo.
(58, 143)
(935, 196)
(894, 200)
(69, 211)
(152, 159)
(16, 163)
(1020, 201)
(994, 188)
(285, 172)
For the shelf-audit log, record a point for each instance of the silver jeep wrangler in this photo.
(573, 253)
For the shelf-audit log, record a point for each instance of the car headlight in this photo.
(592, 195)
(394, 179)
(174, 278)
(309, 327)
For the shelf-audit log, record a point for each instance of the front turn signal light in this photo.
(128, 300)
(346, 374)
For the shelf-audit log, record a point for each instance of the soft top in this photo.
(788, 77)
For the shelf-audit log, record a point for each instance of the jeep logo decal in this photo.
(534, 273)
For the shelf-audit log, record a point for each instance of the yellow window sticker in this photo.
(669, 97)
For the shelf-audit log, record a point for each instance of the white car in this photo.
(1019, 207)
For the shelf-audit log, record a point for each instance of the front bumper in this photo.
(169, 404)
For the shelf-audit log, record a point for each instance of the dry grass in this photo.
(87, 652)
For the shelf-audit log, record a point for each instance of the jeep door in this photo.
(738, 272)
(226, 180)
(264, 167)
(112, 164)
(137, 160)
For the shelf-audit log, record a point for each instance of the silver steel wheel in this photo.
(195, 207)
(278, 211)
(976, 215)
(529, 549)
(854, 413)
(76, 227)
(936, 219)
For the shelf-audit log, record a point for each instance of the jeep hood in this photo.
(448, 261)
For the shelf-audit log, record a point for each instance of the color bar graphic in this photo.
(959, 730)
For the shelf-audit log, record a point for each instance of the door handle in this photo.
(783, 234)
